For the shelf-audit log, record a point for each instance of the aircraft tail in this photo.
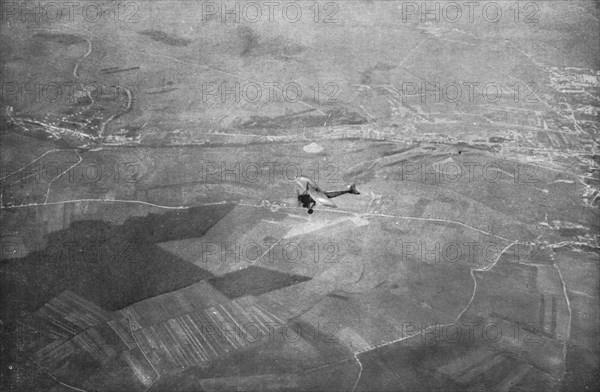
(353, 190)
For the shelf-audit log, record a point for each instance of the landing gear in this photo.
(306, 201)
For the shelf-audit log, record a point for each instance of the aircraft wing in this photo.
(305, 182)
(321, 198)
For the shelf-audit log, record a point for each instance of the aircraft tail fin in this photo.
(353, 190)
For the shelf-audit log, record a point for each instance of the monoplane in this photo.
(312, 194)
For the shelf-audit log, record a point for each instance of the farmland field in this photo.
(153, 238)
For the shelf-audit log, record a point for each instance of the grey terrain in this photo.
(151, 235)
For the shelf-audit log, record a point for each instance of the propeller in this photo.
(298, 198)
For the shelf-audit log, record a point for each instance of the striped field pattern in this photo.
(197, 338)
(67, 315)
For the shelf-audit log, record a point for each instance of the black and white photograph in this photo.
(299, 195)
